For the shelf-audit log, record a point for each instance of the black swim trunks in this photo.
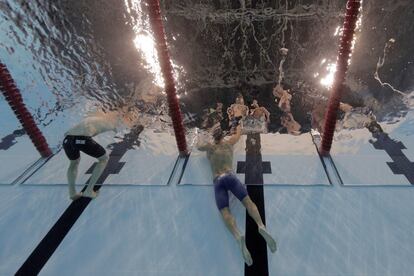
(73, 145)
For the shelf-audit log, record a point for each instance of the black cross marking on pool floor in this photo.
(254, 169)
(401, 164)
(47, 246)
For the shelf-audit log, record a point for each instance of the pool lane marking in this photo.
(48, 245)
(328, 164)
(401, 164)
(254, 169)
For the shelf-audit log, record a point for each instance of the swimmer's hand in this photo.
(203, 146)
(235, 122)
(235, 137)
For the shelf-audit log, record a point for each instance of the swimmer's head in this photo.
(239, 99)
(218, 134)
(255, 104)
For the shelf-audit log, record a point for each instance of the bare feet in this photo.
(246, 254)
(75, 196)
(90, 194)
(268, 238)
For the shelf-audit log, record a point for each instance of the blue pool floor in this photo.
(175, 230)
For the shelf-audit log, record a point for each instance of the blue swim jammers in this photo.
(225, 183)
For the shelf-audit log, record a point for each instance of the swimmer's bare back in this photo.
(220, 154)
(221, 158)
(94, 125)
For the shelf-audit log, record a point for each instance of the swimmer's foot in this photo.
(90, 194)
(245, 252)
(74, 196)
(268, 238)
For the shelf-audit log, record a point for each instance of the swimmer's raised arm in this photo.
(203, 146)
(267, 114)
(230, 112)
(235, 137)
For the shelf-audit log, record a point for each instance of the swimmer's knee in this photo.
(75, 162)
(247, 201)
(225, 212)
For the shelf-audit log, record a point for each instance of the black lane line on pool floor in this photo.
(48, 245)
(34, 168)
(254, 169)
(333, 175)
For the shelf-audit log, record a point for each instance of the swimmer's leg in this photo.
(252, 210)
(254, 213)
(71, 174)
(232, 227)
(96, 173)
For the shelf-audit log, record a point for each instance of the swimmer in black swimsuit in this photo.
(79, 138)
(220, 155)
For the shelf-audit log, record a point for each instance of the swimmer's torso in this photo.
(259, 112)
(92, 126)
(239, 110)
(221, 158)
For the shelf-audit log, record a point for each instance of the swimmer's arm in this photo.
(230, 112)
(203, 146)
(345, 107)
(267, 114)
(235, 137)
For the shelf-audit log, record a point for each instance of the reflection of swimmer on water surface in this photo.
(284, 98)
(357, 117)
(213, 116)
(237, 112)
(287, 120)
(79, 138)
(238, 109)
(319, 110)
(351, 118)
(259, 112)
(292, 127)
(257, 120)
(220, 155)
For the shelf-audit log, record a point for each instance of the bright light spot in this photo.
(145, 44)
(338, 31)
(315, 75)
(328, 80)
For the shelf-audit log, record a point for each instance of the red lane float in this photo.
(348, 30)
(167, 71)
(15, 100)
